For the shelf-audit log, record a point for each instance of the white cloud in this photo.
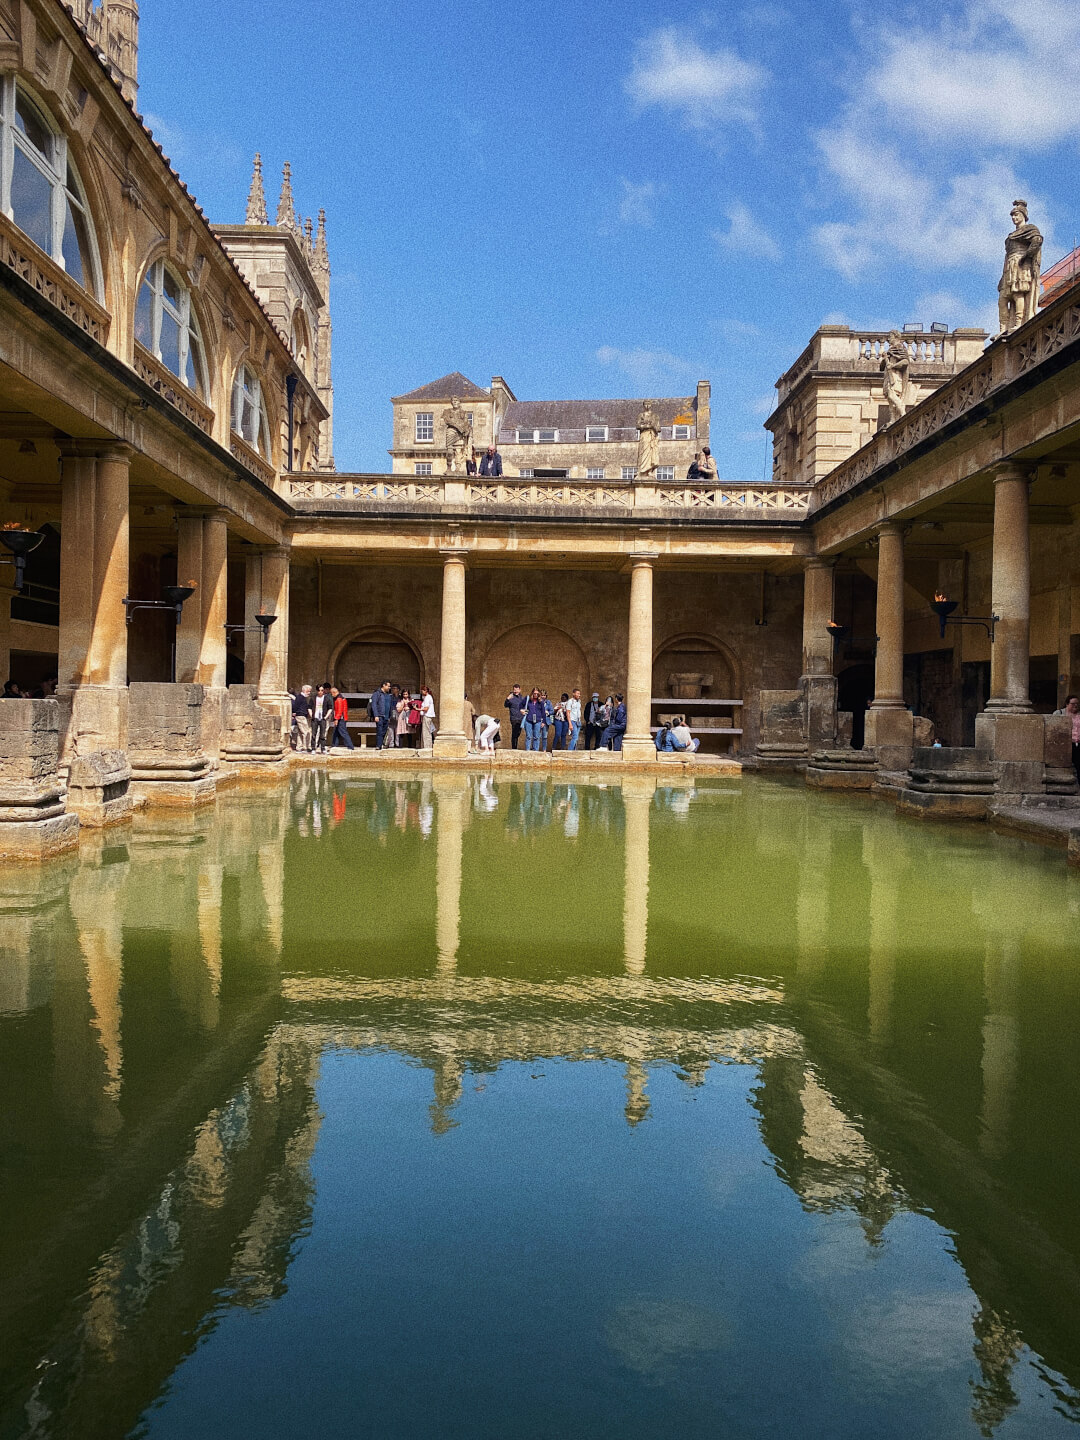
(705, 88)
(932, 222)
(636, 203)
(764, 404)
(745, 236)
(1004, 73)
(646, 367)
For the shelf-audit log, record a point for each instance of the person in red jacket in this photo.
(341, 717)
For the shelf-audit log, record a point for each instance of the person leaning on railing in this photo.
(491, 464)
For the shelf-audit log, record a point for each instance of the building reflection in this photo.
(162, 1058)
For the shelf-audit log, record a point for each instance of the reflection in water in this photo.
(896, 1023)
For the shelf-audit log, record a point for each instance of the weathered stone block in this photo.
(168, 763)
(1010, 737)
(40, 840)
(890, 734)
(99, 790)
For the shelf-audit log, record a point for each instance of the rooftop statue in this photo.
(1018, 289)
(896, 363)
(648, 448)
(458, 436)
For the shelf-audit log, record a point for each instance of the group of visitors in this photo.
(703, 466)
(42, 691)
(559, 724)
(403, 721)
(320, 720)
(490, 463)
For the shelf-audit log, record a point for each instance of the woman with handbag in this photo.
(534, 720)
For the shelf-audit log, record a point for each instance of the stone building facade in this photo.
(832, 399)
(547, 439)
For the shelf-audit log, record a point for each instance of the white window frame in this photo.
(422, 467)
(526, 437)
(629, 472)
(54, 168)
(546, 435)
(594, 472)
(525, 474)
(596, 434)
(246, 384)
(665, 474)
(429, 417)
(680, 432)
(185, 318)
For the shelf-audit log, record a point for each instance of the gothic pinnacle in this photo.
(256, 204)
(322, 256)
(286, 210)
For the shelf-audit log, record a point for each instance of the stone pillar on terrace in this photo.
(889, 727)
(817, 684)
(451, 740)
(638, 742)
(200, 636)
(1007, 733)
(256, 715)
(92, 659)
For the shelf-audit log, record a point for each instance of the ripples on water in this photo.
(475, 1107)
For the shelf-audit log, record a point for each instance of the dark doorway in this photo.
(975, 683)
(854, 691)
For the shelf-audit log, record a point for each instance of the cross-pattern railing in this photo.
(509, 492)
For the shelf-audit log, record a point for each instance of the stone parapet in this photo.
(165, 738)
(34, 822)
(253, 738)
(781, 733)
(948, 781)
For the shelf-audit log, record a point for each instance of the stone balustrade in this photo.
(386, 493)
(171, 388)
(50, 281)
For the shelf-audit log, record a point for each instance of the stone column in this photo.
(817, 684)
(451, 740)
(200, 636)
(817, 643)
(638, 742)
(1011, 594)
(888, 723)
(92, 660)
(266, 662)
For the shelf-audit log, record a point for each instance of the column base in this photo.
(99, 788)
(1009, 707)
(636, 748)
(890, 733)
(448, 746)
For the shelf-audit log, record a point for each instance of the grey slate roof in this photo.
(577, 414)
(445, 389)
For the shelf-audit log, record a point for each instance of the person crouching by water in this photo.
(427, 718)
(341, 720)
(679, 737)
(484, 733)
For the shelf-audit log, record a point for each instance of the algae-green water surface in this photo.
(470, 1108)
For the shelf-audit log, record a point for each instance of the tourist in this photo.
(491, 464)
(573, 716)
(594, 728)
(301, 719)
(322, 711)
(382, 712)
(562, 722)
(694, 473)
(1072, 709)
(515, 702)
(427, 718)
(679, 737)
(341, 720)
(484, 732)
(468, 716)
(707, 467)
(404, 727)
(549, 720)
(470, 463)
(534, 720)
(616, 726)
(11, 691)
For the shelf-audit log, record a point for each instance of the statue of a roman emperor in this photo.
(458, 436)
(648, 447)
(1018, 289)
(896, 363)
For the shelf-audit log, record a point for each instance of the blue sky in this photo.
(622, 197)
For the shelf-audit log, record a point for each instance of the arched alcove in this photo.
(364, 660)
(701, 655)
(531, 655)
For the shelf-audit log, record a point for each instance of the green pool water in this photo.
(476, 1108)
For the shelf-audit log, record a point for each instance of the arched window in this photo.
(249, 418)
(299, 342)
(165, 324)
(39, 188)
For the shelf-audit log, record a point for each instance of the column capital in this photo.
(820, 562)
(1013, 470)
(643, 557)
(450, 552)
(202, 512)
(890, 527)
(77, 449)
